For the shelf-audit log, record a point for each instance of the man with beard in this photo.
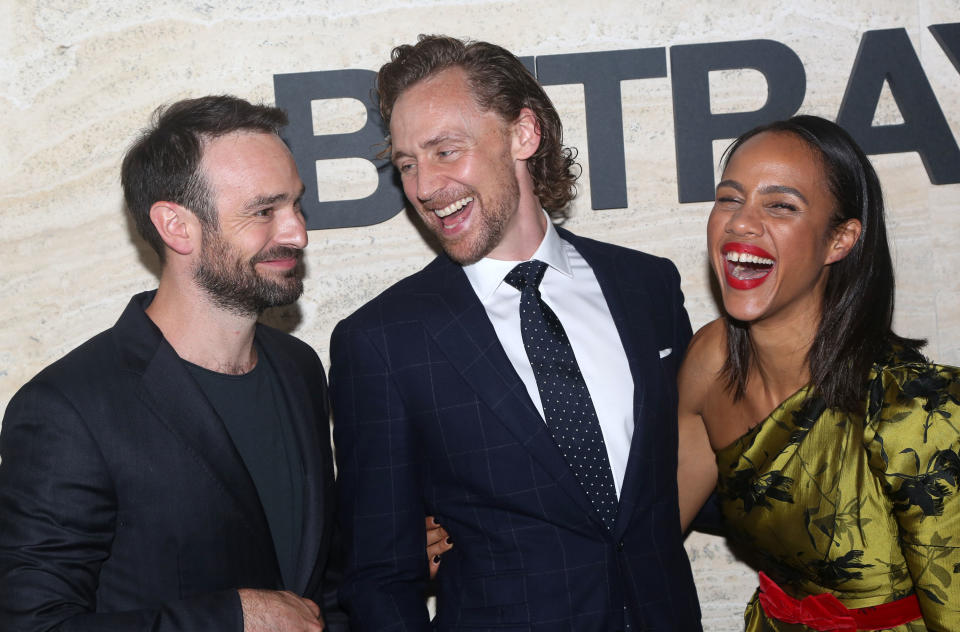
(174, 472)
(520, 388)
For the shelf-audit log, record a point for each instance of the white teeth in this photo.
(744, 257)
(453, 208)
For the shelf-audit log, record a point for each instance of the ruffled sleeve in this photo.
(912, 436)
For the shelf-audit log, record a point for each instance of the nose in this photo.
(292, 230)
(429, 182)
(745, 221)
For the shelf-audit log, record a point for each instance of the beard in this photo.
(486, 234)
(235, 285)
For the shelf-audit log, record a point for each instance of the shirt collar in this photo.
(487, 274)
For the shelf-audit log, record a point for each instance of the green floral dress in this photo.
(863, 506)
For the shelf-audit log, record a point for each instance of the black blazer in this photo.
(123, 502)
(431, 418)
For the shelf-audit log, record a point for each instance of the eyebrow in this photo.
(268, 200)
(780, 188)
(733, 184)
(772, 188)
(439, 139)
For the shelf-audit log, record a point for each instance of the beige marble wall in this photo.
(78, 79)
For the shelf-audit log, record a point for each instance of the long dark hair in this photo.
(500, 83)
(854, 328)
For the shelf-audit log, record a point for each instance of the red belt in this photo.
(824, 612)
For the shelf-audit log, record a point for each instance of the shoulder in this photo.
(628, 268)
(901, 383)
(65, 402)
(702, 363)
(406, 298)
(912, 417)
(588, 247)
(122, 352)
(707, 350)
(98, 375)
(94, 365)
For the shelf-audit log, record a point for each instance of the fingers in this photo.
(312, 606)
(434, 565)
(439, 547)
(307, 611)
(435, 533)
(273, 611)
(438, 543)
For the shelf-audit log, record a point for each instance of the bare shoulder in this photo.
(696, 466)
(701, 366)
(699, 377)
(705, 354)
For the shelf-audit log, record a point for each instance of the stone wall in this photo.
(78, 80)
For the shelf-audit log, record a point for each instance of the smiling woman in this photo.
(775, 230)
(830, 439)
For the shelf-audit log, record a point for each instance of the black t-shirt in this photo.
(255, 412)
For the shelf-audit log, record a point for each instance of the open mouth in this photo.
(453, 214)
(746, 266)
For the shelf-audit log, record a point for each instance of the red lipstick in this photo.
(746, 275)
(750, 249)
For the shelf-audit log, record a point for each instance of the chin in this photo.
(742, 311)
(464, 256)
(468, 247)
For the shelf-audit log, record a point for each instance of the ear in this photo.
(178, 226)
(526, 135)
(844, 238)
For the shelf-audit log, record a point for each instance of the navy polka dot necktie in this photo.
(567, 405)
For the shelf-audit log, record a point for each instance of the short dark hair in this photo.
(855, 324)
(163, 164)
(499, 82)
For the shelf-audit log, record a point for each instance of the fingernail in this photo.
(436, 559)
(448, 541)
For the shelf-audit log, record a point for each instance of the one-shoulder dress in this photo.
(861, 506)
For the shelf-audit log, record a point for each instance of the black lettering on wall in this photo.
(294, 93)
(883, 56)
(601, 74)
(887, 55)
(696, 127)
(948, 36)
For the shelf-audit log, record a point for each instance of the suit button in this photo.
(620, 545)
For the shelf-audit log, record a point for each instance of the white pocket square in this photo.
(665, 352)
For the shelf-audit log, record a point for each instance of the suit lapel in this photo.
(629, 307)
(174, 395)
(168, 389)
(303, 418)
(459, 324)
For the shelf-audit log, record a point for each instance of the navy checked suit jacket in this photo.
(124, 504)
(430, 418)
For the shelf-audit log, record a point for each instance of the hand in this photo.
(278, 611)
(438, 543)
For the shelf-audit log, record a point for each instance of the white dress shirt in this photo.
(570, 288)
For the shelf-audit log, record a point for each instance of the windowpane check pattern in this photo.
(567, 405)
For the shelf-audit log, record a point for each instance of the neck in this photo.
(780, 361)
(781, 346)
(524, 234)
(200, 331)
